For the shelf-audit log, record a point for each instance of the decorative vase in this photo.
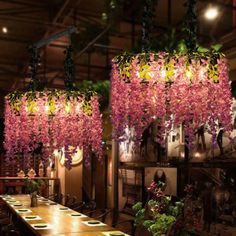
(33, 198)
(41, 169)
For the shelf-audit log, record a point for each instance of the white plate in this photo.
(13, 205)
(64, 209)
(8, 198)
(3, 196)
(12, 201)
(93, 225)
(80, 216)
(36, 218)
(43, 200)
(47, 227)
(27, 210)
(108, 233)
(51, 203)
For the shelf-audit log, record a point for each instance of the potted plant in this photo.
(160, 213)
(163, 216)
(189, 223)
(32, 187)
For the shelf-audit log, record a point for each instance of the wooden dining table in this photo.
(58, 218)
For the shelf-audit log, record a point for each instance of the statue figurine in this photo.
(41, 169)
(31, 173)
(21, 174)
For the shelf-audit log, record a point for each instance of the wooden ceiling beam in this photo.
(59, 17)
(31, 21)
(20, 12)
(35, 4)
(15, 40)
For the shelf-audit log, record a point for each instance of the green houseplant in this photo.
(160, 212)
(32, 187)
(163, 216)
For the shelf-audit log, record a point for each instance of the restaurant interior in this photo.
(118, 117)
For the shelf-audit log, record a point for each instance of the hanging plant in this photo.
(185, 85)
(175, 88)
(54, 118)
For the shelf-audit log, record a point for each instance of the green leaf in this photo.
(182, 48)
(217, 47)
(148, 223)
(202, 49)
(137, 207)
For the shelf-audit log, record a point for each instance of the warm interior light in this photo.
(211, 13)
(68, 108)
(163, 73)
(201, 73)
(182, 154)
(4, 29)
(189, 74)
(47, 108)
(197, 154)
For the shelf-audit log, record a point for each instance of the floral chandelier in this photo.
(186, 87)
(52, 119)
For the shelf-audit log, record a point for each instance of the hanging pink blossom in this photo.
(52, 119)
(172, 89)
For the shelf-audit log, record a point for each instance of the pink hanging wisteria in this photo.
(187, 90)
(54, 119)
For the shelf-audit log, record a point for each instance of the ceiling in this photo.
(30, 21)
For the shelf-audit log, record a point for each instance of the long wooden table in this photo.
(61, 222)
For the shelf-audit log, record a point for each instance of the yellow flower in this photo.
(144, 72)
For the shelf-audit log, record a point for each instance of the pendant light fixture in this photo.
(52, 119)
(186, 87)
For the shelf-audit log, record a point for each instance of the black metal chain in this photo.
(33, 67)
(147, 25)
(69, 68)
(190, 25)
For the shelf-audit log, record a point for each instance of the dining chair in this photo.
(56, 197)
(70, 201)
(103, 215)
(127, 226)
(99, 214)
(66, 199)
(77, 205)
(89, 207)
(10, 230)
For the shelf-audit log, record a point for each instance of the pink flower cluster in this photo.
(54, 122)
(175, 90)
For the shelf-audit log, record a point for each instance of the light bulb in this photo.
(163, 73)
(201, 72)
(4, 29)
(197, 154)
(67, 108)
(189, 74)
(211, 13)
